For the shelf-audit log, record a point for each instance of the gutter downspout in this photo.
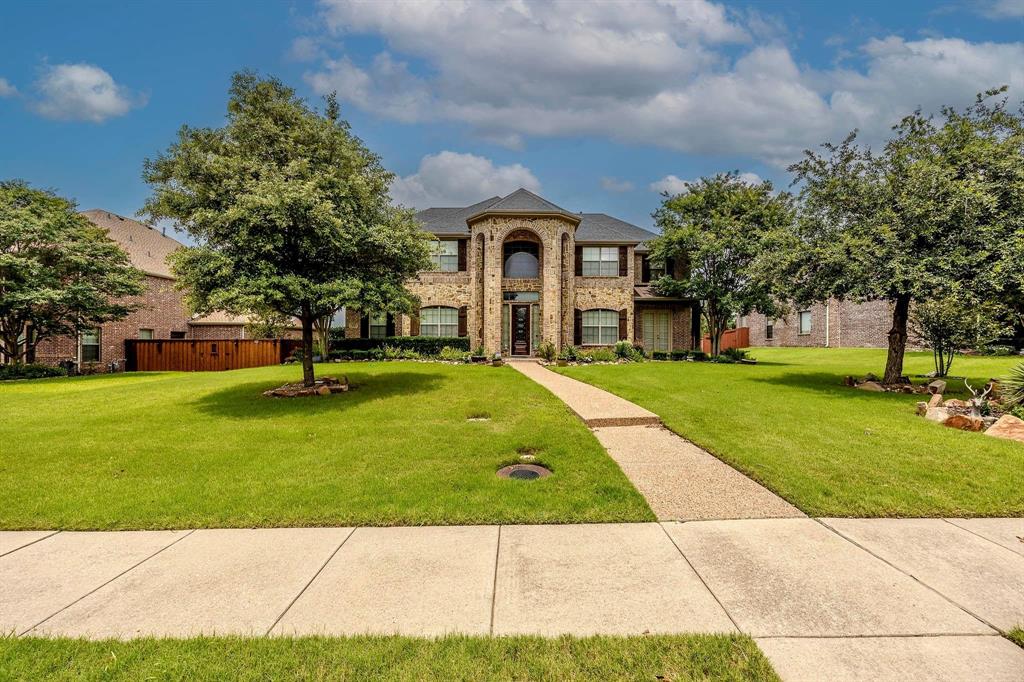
(827, 316)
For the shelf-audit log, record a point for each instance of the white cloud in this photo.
(454, 179)
(304, 49)
(82, 92)
(651, 73)
(6, 89)
(1003, 9)
(675, 185)
(615, 185)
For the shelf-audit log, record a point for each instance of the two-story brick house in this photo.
(511, 272)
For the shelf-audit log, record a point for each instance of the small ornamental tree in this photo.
(290, 210)
(59, 274)
(939, 209)
(953, 324)
(722, 228)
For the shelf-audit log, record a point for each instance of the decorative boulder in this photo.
(1007, 427)
(935, 400)
(937, 414)
(954, 403)
(964, 422)
(937, 387)
(870, 386)
(922, 409)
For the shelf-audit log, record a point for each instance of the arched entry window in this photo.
(522, 260)
(439, 321)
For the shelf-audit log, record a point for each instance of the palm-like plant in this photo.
(1013, 386)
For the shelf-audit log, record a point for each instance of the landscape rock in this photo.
(937, 414)
(937, 387)
(870, 386)
(964, 422)
(1007, 427)
(935, 400)
(954, 403)
(322, 387)
(922, 409)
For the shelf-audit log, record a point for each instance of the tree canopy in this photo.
(940, 207)
(722, 227)
(290, 210)
(59, 273)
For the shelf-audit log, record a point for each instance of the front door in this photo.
(520, 330)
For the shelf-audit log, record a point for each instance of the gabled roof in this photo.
(592, 228)
(147, 247)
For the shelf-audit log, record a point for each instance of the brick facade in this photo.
(837, 324)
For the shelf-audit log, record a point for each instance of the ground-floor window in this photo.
(769, 330)
(378, 326)
(439, 321)
(600, 327)
(804, 317)
(90, 346)
(177, 335)
(657, 330)
(146, 334)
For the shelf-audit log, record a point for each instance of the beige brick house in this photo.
(512, 272)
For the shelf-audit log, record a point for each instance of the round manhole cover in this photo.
(523, 472)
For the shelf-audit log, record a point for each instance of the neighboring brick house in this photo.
(161, 312)
(511, 272)
(836, 324)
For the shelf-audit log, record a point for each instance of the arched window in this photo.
(522, 260)
(439, 321)
(600, 327)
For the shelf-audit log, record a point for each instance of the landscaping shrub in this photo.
(391, 352)
(1012, 388)
(570, 353)
(624, 349)
(660, 355)
(679, 354)
(376, 353)
(723, 359)
(997, 350)
(735, 354)
(603, 355)
(454, 354)
(546, 350)
(428, 346)
(698, 356)
(359, 354)
(30, 371)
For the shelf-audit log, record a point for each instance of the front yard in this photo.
(174, 450)
(831, 450)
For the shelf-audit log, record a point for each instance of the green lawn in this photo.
(831, 450)
(676, 658)
(1016, 636)
(175, 450)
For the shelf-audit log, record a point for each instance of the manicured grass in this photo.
(178, 450)
(1016, 636)
(677, 658)
(831, 450)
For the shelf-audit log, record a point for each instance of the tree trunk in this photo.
(897, 341)
(307, 347)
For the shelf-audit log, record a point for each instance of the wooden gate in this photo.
(184, 355)
(731, 338)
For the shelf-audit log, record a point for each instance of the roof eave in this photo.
(571, 217)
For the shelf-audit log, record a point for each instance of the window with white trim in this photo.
(804, 317)
(444, 255)
(378, 326)
(600, 261)
(600, 327)
(146, 334)
(439, 321)
(90, 345)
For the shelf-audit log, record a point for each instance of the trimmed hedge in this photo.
(31, 371)
(680, 354)
(660, 355)
(424, 345)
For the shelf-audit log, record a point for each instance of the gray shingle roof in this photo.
(593, 228)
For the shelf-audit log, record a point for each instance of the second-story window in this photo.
(600, 261)
(444, 255)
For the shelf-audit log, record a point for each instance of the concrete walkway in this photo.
(831, 599)
(680, 481)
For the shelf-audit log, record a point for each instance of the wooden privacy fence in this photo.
(732, 338)
(185, 355)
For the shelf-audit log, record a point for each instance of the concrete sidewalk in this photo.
(680, 481)
(831, 599)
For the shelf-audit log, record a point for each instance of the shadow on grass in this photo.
(829, 384)
(246, 401)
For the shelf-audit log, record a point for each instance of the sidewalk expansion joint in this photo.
(494, 584)
(700, 577)
(49, 535)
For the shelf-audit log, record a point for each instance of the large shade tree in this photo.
(59, 274)
(723, 228)
(939, 208)
(290, 211)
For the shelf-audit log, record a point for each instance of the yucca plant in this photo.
(1012, 387)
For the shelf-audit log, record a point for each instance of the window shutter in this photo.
(623, 261)
(389, 328)
(414, 325)
(364, 326)
(577, 328)
(463, 311)
(462, 255)
(579, 260)
(645, 269)
(622, 325)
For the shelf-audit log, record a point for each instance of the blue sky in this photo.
(595, 105)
